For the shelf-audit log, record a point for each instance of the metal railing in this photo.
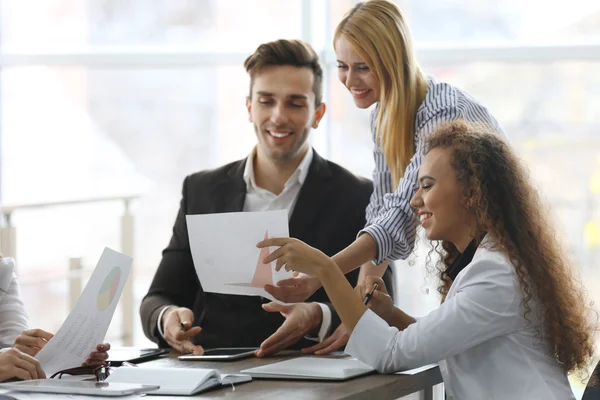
(75, 272)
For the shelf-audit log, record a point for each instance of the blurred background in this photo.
(106, 105)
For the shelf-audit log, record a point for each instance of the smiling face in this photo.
(356, 75)
(439, 202)
(282, 110)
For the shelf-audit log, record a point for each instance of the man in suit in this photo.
(326, 205)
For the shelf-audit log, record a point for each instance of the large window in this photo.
(104, 98)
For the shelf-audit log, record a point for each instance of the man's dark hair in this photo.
(295, 53)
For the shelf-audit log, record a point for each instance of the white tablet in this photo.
(78, 387)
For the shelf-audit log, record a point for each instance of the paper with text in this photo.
(225, 255)
(87, 324)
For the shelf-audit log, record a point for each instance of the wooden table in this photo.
(373, 386)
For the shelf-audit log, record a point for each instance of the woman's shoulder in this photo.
(490, 263)
(445, 102)
(439, 95)
(442, 95)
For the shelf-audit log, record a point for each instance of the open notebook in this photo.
(176, 381)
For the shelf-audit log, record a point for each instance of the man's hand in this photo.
(176, 337)
(334, 342)
(16, 364)
(31, 341)
(338, 339)
(98, 356)
(381, 303)
(294, 290)
(300, 320)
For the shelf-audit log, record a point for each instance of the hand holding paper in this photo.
(295, 255)
(225, 255)
(87, 324)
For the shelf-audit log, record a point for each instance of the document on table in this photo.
(225, 255)
(87, 324)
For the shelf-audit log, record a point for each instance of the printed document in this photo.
(225, 255)
(88, 322)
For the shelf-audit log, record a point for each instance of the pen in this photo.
(183, 327)
(370, 294)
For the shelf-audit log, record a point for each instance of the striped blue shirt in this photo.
(390, 219)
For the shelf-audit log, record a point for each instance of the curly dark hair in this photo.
(498, 191)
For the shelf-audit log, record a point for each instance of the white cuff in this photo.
(325, 324)
(325, 321)
(158, 321)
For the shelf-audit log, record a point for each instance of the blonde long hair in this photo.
(379, 34)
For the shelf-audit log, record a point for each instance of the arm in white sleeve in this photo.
(13, 317)
(486, 305)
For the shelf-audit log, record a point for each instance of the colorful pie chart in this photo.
(108, 290)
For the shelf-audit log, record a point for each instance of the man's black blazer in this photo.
(329, 212)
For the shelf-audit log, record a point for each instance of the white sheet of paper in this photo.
(415, 371)
(225, 255)
(87, 324)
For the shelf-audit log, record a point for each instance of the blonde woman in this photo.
(377, 64)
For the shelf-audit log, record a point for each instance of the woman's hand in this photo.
(381, 303)
(16, 364)
(98, 356)
(31, 341)
(297, 256)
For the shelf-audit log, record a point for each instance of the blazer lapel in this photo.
(312, 197)
(230, 194)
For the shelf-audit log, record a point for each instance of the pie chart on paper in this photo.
(108, 290)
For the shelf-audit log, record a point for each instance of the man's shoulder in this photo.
(343, 177)
(347, 184)
(211, 177)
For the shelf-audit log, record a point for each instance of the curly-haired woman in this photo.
(513, 321)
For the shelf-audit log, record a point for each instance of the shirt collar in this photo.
(299, 174)
(465, 258)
